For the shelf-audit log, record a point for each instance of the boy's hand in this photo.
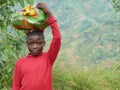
(44, 7)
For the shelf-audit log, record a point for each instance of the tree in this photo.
(11, 42)
(116, 5)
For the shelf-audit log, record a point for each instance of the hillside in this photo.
(90, 31)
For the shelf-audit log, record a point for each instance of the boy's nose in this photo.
(34, 46)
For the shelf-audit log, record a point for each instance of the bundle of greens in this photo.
(29, 18)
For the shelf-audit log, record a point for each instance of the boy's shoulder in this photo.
(20, 60)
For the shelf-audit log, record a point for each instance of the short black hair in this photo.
(35, 32)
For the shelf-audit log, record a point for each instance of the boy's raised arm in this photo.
(56, 40)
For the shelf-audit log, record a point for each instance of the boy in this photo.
(34, 72)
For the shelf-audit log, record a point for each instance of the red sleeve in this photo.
(16, 78)
(56, 40)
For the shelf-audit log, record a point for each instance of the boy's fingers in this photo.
(41, 5)
(44, 7)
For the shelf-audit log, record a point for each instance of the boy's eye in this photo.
(39, 43)
(29, 43)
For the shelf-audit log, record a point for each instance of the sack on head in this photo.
(29, 18)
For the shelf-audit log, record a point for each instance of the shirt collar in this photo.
(31, 56)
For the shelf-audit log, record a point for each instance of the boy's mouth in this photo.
(35, 52)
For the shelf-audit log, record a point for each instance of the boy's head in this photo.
(35, 42)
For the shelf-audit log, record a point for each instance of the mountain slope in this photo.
(90, 32)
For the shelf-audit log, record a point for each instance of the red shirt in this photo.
(35, 72)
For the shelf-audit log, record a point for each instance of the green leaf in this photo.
(22, 3)
(1, 64)
(30, 1)
(3, 1)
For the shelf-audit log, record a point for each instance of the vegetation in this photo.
(87, 78)
(91, 45)
(116, 5)
(11, 43)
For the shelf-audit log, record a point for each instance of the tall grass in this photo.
(95, 78)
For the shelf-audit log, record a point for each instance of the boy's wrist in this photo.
(49, 14)
(50, 20)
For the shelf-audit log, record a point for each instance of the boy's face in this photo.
(35, 44)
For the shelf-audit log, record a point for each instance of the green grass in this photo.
(99, 77)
